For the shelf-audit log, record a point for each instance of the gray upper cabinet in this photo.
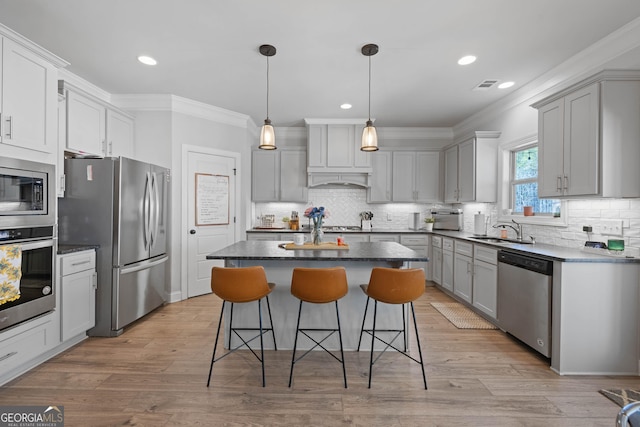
(471, 169)
(588, 138)
(279, 176)
(416, 176)
(380, 183)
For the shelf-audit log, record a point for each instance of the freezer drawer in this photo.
(138, 289)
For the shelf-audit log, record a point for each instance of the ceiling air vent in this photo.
(486, 84)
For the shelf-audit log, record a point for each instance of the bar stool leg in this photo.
(373, 339)
(344, 370)
(215, 346)
(230, 326)
(404, 327)
(295, 344)
(261, 341)
(415, 324)
(363, 319)
(273, 332)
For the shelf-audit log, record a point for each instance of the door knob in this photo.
(192, 231)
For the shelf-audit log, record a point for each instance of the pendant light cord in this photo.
(369, 88)
(267, 88)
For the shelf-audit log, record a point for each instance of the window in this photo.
(524, 183)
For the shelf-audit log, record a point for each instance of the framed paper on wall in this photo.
(212, 199)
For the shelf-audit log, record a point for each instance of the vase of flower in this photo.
(316, 215)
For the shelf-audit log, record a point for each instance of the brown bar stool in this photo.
(318, 286)
(240, 285)
(393, 286)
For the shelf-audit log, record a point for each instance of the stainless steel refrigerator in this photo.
(120, 205)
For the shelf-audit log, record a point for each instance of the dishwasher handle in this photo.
(538, 265)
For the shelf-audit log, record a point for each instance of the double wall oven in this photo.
(27, 223)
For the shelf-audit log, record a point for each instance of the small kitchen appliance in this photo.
(448, 219)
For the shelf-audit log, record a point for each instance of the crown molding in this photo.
(355, 121)
(415, 133)
(177, 104)
(84, 85)
(32, 47)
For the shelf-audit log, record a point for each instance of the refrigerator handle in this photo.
(156, 194)
(153, 213)
(145, 211)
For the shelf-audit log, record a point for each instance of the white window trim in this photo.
(504, 189)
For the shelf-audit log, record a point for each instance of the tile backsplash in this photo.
(345, 204)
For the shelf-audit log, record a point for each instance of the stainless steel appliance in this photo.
(27, 195)
(36, 284)
(524, 299)
(448, 219)
(119, 204)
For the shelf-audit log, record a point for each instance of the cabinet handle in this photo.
(558, 183)
(80, 263)
(566, 182)
(95, 280)
(110, 148)
(9, 131)
(63, 182)
(8, 355)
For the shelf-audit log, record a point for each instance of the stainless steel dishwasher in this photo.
(524, 299)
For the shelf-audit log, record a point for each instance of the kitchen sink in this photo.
(490, 239)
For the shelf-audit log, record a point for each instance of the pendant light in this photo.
(369, 134)
(267, 135)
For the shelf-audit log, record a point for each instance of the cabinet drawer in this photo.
(85, 260)
(436, 241)
(464, 248)
(384, 238)
(486, 254)
(414, 239)
(447, 245)
(23, 347)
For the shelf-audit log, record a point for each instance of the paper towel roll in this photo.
(479, 225)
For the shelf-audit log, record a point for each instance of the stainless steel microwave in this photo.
(26, 195)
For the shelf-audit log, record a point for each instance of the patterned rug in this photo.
(461, 316)
(622, 397)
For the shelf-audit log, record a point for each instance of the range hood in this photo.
(334, 156)
(357, 179)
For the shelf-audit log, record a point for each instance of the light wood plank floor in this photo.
(155, 375)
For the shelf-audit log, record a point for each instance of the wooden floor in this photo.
(155, 375)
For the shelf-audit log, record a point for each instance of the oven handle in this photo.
(27, 246)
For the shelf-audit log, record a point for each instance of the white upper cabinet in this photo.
(95, 127)
(416, 176)
(279, 176)
(588, 138)
(86, 124)
(471, 170)
(120, 134)
(28, 98)
(334, 155)
(380, 183)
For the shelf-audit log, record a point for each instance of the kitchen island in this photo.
(358, 260)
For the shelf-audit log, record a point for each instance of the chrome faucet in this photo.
(517, 228)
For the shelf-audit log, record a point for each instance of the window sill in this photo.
(534, 220)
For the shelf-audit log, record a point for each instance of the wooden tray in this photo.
(324, 245)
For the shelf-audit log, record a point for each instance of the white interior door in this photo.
(211, 215)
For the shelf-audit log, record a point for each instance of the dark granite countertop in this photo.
(329, 231)
(68, 249)
(266, 250)
(542, 250)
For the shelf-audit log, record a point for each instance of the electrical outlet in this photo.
(611, 227)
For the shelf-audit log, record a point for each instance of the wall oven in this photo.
(27, 227)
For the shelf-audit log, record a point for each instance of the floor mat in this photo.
(622, 396)
(461, 316)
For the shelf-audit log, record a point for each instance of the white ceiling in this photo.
(207, 50)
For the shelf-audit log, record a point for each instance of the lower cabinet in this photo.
(485, 279)
(420, 244)
(463, 270)
(269, 237)
(447, 264)
(78, 283)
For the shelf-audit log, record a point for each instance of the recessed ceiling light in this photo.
(346, 106)
(147, 60)
(466, 60)
(505, 85)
